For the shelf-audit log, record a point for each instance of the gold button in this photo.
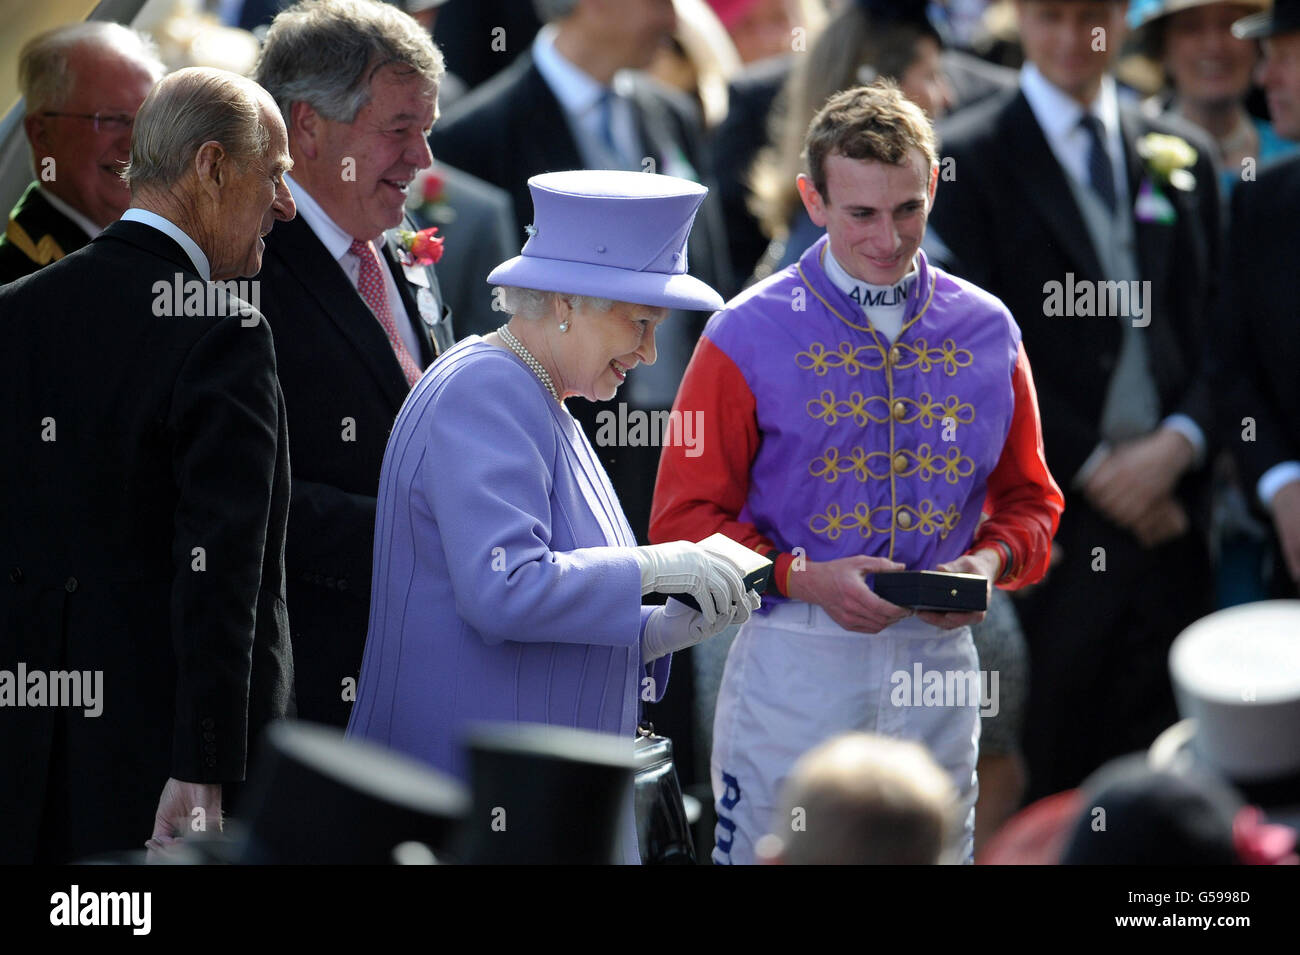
(900, 409)
(894, 355)
(904, 520)
(900, 463)
(953, 591)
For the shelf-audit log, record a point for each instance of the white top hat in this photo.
(1236, 673)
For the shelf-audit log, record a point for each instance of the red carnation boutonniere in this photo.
(420, 248)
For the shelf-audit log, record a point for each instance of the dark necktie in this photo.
(1100, 175)
(606, 120)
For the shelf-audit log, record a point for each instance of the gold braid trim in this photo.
(42, 253)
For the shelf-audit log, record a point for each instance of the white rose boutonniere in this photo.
(1168, 159)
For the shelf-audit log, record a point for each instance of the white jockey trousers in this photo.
(794, 678)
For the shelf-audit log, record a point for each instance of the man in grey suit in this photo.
(477, 222)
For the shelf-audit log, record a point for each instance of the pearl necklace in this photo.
(518, 348)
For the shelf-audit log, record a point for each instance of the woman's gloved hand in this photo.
(680, 567)
(676, 626)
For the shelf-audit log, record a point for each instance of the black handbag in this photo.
(663, 832)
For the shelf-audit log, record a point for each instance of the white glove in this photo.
(681, 567)
(676, 626)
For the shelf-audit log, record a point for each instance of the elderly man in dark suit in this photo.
(143, 636)
(1102, 239)
(81, 85)
(354, 325)
(1259, 322)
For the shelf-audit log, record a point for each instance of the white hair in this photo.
(46, 73)
(533, 303)
(187, 109)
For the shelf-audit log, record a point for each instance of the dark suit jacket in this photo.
(1258, 328)
(343, 388)
(739, 138)
(513, 127)
(1012, 224)
(36, 235)
(134, 439)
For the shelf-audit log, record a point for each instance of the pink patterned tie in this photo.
(370, 283)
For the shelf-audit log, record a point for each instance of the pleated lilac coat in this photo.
(504, 587)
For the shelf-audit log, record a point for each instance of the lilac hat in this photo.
(611, 234)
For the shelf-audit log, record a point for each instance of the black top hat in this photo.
(317, 798)
(1135, 815)
(546, 795)
(1283, 18)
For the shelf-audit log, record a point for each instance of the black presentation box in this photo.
(933, 590)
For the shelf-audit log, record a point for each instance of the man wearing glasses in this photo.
(81, 85)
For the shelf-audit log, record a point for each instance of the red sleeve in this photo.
(701, 490)
(1023, 504)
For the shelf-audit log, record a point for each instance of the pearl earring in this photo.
(564, 326)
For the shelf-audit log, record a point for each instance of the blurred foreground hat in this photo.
(1236, 676)
(546, 795)
(318, 797)
(1283, 18)
(918, 13)
(611, 234)
(1131, 814)
(1142, 12)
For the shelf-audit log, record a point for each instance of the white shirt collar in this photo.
(576, 90)
(1058, 113)
(169, 228)
(846, 283)
(336, 241)
(86, 225)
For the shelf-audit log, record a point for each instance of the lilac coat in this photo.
(504, 587)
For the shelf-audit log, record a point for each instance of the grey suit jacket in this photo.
(480, 233)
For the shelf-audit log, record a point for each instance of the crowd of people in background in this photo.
(1121, 179)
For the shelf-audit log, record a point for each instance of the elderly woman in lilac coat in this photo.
(507, 582)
